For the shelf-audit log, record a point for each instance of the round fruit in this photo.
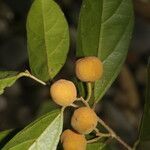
(73, 141)
(84, 120)
(63, 92)
(89, 69)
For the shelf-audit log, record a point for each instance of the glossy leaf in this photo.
(48, 39)
(104, 30)
(7, 79)
(42, 134)
(145, 129)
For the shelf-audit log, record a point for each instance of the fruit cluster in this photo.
(64, 93)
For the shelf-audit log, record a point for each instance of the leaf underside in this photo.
(42, 134)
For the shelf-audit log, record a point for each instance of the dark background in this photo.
(122, 106)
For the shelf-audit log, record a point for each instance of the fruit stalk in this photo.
(89, 91)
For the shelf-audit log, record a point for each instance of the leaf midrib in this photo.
(21, 143)
(119, 63)
(36, 140)
(99, 47)
(27, 128)
(44, 32)
(99, 50)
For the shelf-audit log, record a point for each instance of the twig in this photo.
(100, 135)
(136, 144)
(89, 91)
(97, 132)
(74, 105)
(27, 74)
(123, 143)
(83, 101)
(106, 126)
(113, 134)
(94, 105)
(63, 109)
(96, 139)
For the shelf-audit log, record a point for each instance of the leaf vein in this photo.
(113, 12)
(117, 67)
(98, 50)
(52, 26)
(60, 42)
(44, 30)
(118, 41)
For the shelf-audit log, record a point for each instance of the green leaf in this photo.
(4, 134)
(96, 146)
(144, 137)
(48, 39)
(43, 134)
(104, 30)
(8, 78)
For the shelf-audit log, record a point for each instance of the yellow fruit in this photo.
(63, 92)
(89, 69)
(73, 141)
(84, 120)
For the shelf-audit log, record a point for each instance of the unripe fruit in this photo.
(63, 92)
(73, 141)
(89, 69)
(84, 120)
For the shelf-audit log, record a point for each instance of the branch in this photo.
(83, 101)
(28, 74)
(113, 134)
